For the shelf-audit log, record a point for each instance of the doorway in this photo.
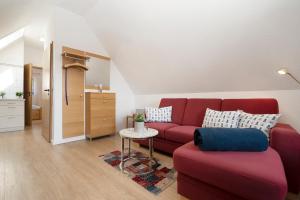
(33, 93)
(38, 93)
(37, 81)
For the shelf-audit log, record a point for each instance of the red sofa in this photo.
(228, 175)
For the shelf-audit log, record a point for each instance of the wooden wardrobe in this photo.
(100, 114)
(74, 66)
(92, 113)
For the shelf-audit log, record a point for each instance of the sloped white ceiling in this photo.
(29, 14)
(171, 46)
(80, 7)
(34, 15)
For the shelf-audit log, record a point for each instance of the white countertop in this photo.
(97, 91)
(12, 99)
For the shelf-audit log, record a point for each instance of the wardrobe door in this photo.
(73, 106)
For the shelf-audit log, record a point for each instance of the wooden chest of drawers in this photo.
(11, 115)
(100, 114)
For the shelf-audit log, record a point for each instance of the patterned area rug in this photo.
(157, 180)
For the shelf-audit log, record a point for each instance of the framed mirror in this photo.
(98, 74)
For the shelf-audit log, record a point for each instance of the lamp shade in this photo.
(282, 71)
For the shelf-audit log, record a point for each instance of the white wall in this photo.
(125, 97)
(13, 53)
(288, 101)
(72, 30)
(11, 68)
(33, 54)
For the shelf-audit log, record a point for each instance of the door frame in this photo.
(51, 91)
(28, 93)
(48, 136)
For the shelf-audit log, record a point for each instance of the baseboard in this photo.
(66, 140)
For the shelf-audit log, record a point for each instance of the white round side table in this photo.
(129, 134)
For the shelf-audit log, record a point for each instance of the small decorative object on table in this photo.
(2, 94)
(100, 88)
(139, 123)
(19, 94)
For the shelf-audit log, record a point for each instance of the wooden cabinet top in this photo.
(94, 95)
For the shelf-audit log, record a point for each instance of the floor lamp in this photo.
(284, 71)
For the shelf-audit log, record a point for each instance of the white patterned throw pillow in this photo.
(159, 114)
(263, 122)
(221, 119)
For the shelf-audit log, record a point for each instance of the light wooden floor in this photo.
(32, 169)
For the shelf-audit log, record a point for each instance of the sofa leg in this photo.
(292, 196)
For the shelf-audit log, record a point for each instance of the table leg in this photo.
(122, 154)
(129, 147)
(151, 150)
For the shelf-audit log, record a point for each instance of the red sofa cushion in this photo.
(251, 175)
(180, 134)
(195, 110)
(193, 189)
(254, 106)
(286, 141)
(161, 127)
(178, 107)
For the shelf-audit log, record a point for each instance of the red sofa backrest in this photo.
(192, 111)
(195, 110)
(178, 107)
(254, 106)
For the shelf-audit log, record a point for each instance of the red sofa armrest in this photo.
(286, 141)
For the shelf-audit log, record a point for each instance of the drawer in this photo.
(11, 121)
(98, 96)
(99, 104)
(15, 110)
(103, 125)
(11, 103)
(102, 101)
(103, 114)
(108, 96)
(107, 110)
